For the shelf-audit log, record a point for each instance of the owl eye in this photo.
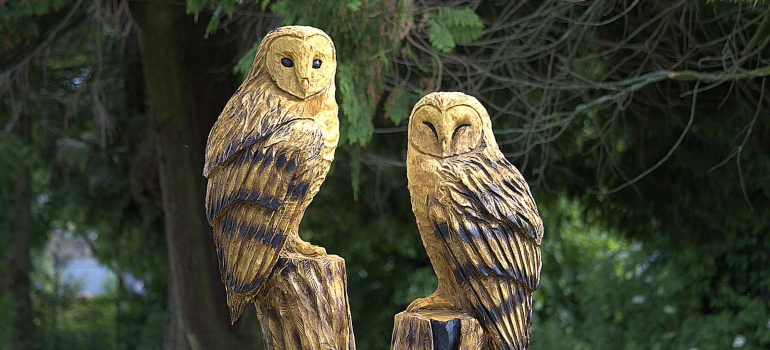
(286, 62)
(317, 64)
(457, 129)
(432, 128)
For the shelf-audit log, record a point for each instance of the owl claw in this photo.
(433, 302)
(298, 246)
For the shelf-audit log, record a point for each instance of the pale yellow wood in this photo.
(476, 217)
(306, 306)
(436, 330)
(267, 155)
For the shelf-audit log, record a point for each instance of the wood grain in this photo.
(266, 157)
(477, 219)
(436, 330)
(306, 306)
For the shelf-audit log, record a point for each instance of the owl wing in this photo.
(484, 214)
(237, 128)
(253, 199)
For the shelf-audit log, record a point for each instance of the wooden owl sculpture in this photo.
(266, 158)
(476, 217)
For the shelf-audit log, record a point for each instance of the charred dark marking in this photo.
(243, 230)
(259, 156)
(268, 202)
(267, 161)
(299, 190)
(441, 230)
(227, 226)
(487, 315)
(259, 234)
(464, 273)
(446, 335)
(432, 128)
(516, 297)
(277, 240)
(274, 203)
(501, 234)
(483, 270)
(288, 269)
(412, 340)
(473, 232)
(457, 129)
(250, 196)
(281, 161)
(246, 288)
(292, 165)
(244, 157)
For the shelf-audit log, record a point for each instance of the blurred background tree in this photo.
(638, 125)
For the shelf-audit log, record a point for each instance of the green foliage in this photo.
(17, 25)
(601, 291)
(448, 27)
(115, 320)
(217, 7)
(14, 154)
(356, 102)
(79, 166)
(398, 107)
(243, 66)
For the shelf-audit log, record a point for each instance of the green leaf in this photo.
(354, 5)
(211, 28)
(358, 112)
(439, 36)
(398, 106)
(448, 27)
(464, 24)
(243, 66)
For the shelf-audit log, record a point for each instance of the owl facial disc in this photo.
(445, 132)
(301, 65)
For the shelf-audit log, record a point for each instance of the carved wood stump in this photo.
(306, 305)
(436, 330)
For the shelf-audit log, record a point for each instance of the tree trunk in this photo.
(198, 317)
(18, 265)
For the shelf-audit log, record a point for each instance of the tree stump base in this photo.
(436, 330)
(305, 305)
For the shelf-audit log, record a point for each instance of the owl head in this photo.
(301, 60)
(446, 124)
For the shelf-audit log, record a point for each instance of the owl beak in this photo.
(303, 79)
(305, 85)
(443, 144)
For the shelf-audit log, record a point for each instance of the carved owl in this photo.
(476, 217)
(266, 157)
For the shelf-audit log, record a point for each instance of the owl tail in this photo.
(514, 325)
(236, 302)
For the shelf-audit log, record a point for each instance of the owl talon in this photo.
(432, 302)
(306, 249)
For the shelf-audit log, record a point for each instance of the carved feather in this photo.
(266, 157)
(491, 231)
(477, 218)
